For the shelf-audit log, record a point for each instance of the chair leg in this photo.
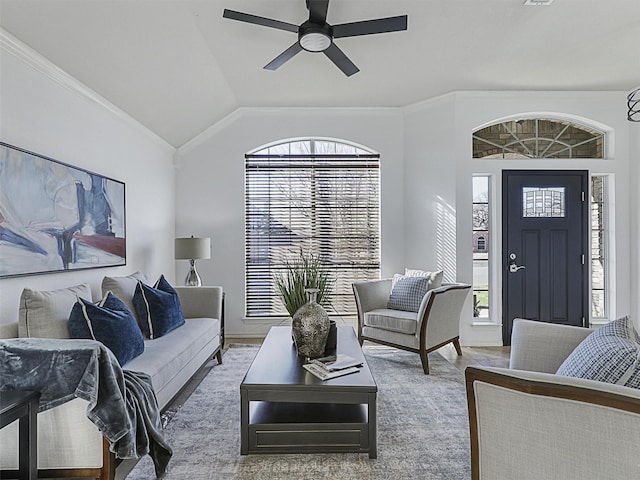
(219, 357)
(456, 344)
(425, 362)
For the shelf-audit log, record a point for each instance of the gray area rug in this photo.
(422, 428)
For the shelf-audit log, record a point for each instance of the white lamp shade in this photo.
(193, 248)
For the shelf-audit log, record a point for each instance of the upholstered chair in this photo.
(436, 322)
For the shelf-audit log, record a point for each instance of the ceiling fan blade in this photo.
(338, 57)
(283, 57)
(318, 11)
(262, 21)
(369, 27)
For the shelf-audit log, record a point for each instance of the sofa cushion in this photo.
(124, 288)
(158, 308)
(166, 357)
(45, 314)
(408, 292)
(610, 354)
(110, 322)
(392, 320)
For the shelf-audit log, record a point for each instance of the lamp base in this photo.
(193, 278)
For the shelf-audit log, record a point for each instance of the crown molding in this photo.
(28, 56)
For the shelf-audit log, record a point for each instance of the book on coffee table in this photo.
(337, 362)
(323, 374)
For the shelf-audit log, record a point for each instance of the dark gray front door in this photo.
(544, 255)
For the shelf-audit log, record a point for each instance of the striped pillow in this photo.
(610, 354)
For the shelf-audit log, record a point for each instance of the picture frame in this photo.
(55, 217)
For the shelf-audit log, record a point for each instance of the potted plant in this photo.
(301, 274)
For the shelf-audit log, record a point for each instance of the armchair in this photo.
(436, 323)
(528, 423)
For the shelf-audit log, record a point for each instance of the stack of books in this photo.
(333, 366)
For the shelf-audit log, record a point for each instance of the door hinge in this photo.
(584, 322)
(583, 258)
(583, 196)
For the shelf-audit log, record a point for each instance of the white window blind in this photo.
(319, 196)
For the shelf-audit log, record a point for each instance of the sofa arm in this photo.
(201, 302)
(530, 425)
(542, 347)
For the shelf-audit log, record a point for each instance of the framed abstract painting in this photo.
(55, 217)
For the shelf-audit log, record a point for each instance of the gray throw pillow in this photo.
(45, 314)
(610, 354)
(408, 292)
(124, 288)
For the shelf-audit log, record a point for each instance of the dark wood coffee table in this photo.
(285, 409)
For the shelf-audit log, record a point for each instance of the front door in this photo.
(544, 255)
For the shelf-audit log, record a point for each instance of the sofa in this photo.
(69, 445)
(527, 422)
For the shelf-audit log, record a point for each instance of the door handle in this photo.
(513, 268)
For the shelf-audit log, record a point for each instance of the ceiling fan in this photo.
(316, 35)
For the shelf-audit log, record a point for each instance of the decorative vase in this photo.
(310, 327)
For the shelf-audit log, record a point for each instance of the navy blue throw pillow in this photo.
(158, 308)
(109, 321)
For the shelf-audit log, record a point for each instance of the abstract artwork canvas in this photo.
(55, 217)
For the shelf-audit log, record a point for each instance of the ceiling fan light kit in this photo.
(316, 35)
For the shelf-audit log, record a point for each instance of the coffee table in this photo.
(285, 409)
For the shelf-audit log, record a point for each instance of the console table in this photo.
(22, 405)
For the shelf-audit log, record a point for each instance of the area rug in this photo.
(422, 428)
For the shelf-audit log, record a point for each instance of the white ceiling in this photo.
(178, 67)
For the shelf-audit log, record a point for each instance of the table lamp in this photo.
(193, 249)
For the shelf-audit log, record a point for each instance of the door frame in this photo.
(504, 260)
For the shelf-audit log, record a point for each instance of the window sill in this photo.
(485, 323)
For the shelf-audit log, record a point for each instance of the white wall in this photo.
(210, 186)
(43, 116)
(426, 185)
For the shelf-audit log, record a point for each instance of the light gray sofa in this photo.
(69, 445)
(528, 423)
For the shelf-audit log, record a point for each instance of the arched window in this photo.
(538, 138)
(482, 244)
(320, 196)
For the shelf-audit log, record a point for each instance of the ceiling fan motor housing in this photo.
(315, 38)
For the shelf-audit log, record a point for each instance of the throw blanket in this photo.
(122, 404)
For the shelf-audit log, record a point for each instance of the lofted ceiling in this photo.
(178, 67)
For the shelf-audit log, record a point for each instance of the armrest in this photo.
(9, 330)
(440, 311)
(372, 295)
(542, 347)
(531, 425)
(201, 302)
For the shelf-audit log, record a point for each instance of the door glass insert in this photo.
(545, 202)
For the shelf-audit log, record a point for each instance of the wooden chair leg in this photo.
(219, 357)
(456, 344)
(425, 362)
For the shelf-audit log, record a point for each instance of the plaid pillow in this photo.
(610, 354)
(407, 293)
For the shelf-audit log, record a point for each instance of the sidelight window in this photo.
(481, 246)
(598, 247)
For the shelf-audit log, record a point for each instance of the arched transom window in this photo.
(538, 138)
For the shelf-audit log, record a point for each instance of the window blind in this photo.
(327, 204)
